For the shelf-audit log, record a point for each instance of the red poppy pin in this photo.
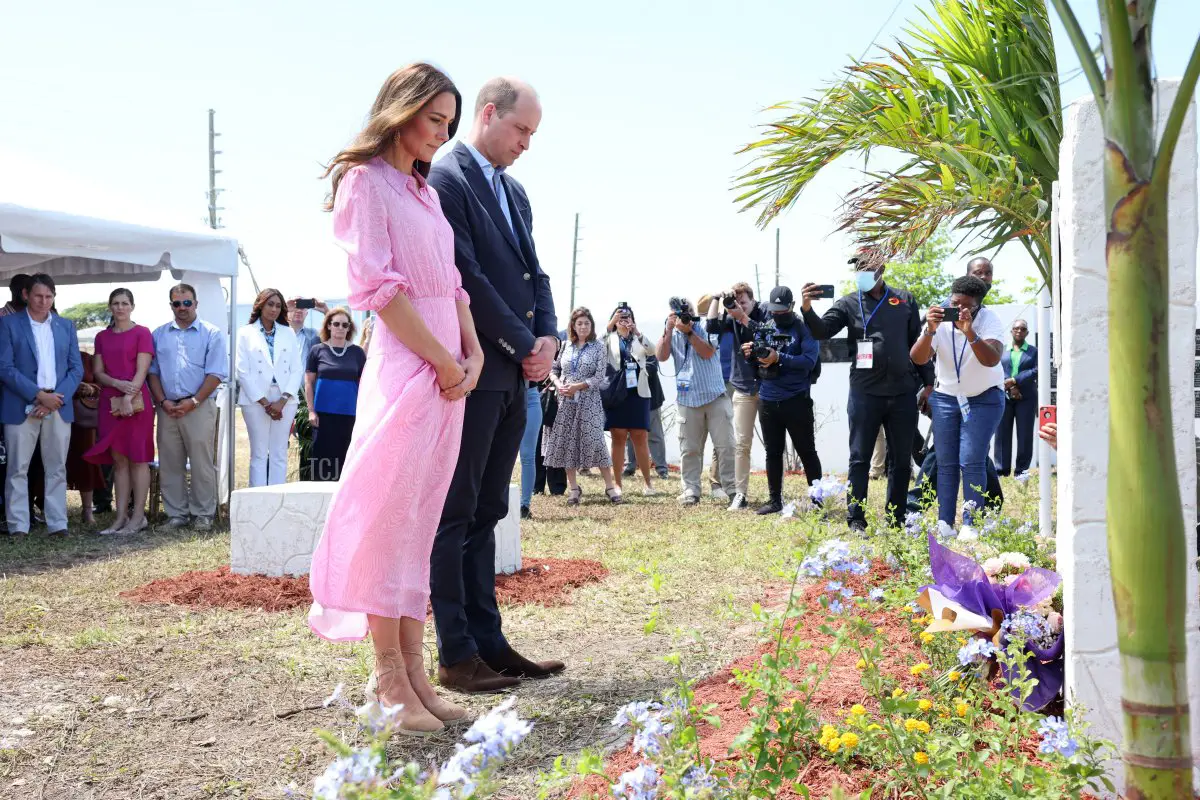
(895, 301)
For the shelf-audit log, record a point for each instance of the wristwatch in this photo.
(286, 397)
(195, 402)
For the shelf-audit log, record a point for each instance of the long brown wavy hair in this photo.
(260, 301)
(402, 96)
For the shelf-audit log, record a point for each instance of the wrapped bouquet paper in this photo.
(964, 598)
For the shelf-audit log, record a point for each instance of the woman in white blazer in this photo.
(270, 369)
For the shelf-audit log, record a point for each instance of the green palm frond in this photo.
(970, 95)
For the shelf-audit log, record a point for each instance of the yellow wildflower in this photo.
(897, 693)
(857, 710)
(960, 707)
(926, 638)
(912, 725)
(862, 663)
(874, 727)
(833, 744)
(879, 631)
(849, 740)
(920, 757)
(954, 675)
(962, 640)
(925, 705)
(918, 669)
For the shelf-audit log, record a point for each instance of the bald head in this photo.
(980, 268)
(507, 114)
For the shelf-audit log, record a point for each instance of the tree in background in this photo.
(926, 276)
(970, 100)
(88, 315)
(1147, 546)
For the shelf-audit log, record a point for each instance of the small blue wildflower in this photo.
(833, 586)
(975, 651)
(697, 778)
(1030, 625)
(813, 567)
(651, 736)
(637, 784)
(834, 550)
(858, 567)
(847, 593)
(378, 717)
(912, 519)
(876, 595)
(360, 768)
(892, 561)
(636, 712)
(1056, 737)
(835, 606)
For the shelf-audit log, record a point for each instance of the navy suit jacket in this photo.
(510, 295)
(19, 366)
(1027, 371)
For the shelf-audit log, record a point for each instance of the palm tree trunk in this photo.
(1146, 538)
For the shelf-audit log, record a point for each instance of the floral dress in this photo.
(577, 439)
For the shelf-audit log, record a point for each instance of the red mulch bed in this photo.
(840, 690)
(547, 581)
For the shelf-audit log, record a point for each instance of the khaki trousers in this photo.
(745, 412)
(20, 441)
(714, 419)
(191, 439)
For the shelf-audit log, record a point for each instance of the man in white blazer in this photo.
(269, 372)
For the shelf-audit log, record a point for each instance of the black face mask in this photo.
(784, 320)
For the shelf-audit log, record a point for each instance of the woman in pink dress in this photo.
(370, 571)
(126, 423)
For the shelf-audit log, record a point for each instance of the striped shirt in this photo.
(698, 381)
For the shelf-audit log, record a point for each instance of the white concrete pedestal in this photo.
(276, 528)
(1093, 666)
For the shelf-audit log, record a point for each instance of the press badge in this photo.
(866, 355)
(964, 406)
(631, 375)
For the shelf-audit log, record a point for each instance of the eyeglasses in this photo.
(184, 303)
(339, 324)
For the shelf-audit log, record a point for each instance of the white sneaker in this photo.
(719, 494)
(688, 499)
(739, 503)
(650, 491)
(945, 531)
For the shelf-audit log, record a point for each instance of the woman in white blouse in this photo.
(269, 372)
(627, 351)
(968, 402)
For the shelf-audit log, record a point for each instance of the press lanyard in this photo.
(867, 320)
(575, 360)
(959, 355)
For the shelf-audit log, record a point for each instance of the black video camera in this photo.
(681, 309)
(765, 339)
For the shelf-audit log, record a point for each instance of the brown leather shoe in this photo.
(474, 676)
(514, 664)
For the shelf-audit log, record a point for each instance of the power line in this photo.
(214, 221)
(574, 259)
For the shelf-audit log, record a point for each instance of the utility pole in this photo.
(757, 283)
(574, 259)
(213, 191)
(777, 256)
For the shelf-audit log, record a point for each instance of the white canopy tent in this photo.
(50, 223)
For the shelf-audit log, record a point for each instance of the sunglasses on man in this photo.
(183, 303)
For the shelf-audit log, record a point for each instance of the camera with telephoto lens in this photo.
(765, 339)
(681, 309)
(729, 301)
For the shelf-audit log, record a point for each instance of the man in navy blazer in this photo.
(40, 369)
(514, 316)
(1019, 363)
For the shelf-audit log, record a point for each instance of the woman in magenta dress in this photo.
(370, 571)
(126, 424)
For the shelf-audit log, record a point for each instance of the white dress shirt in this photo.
(492, 174)
(43, 336)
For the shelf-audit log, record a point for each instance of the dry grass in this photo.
(101, 698)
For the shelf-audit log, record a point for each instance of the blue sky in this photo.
(645, 107)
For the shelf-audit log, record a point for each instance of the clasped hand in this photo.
(456, 379)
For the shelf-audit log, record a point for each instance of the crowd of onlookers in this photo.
(86, 421)
(744, 368)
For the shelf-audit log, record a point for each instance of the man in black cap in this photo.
(881, 323)
(785, 355)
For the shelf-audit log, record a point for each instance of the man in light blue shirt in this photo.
(191, 359)
(701, 404)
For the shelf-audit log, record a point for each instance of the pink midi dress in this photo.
(373, 557)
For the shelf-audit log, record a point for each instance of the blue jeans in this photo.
(533, 423)
(962, 448)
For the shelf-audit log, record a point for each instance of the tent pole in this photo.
(231, 426)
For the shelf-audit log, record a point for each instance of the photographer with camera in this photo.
(969, 400)
(700, 399)
(881, 323)
(784, 354)
(741, 315)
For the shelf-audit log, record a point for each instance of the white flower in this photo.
(992, 567)
(1055, 620)
(336, 697)
(968, 534)
(1017, 561)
